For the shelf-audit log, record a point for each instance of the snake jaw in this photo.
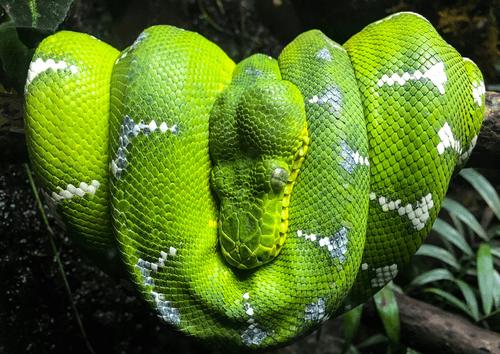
(254, 215)
(250, 224)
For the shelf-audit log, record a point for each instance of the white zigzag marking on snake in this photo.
(418, 214)
(129, 130)
(447, 140)
(336, 244)
(478, 89)
(39, 66)
(466, 154)
(253, 334)
(383, 275)
(332, 98)
(68, 193)
(324, 54)
(166, 311)
(351, 158)
(253, 72)
(139, 39)
(79, 191)
(436, 74)
(316, 311)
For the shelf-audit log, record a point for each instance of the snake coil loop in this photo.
(249, 203)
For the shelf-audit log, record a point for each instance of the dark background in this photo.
(35, 312)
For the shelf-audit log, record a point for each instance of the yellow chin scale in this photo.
(298, 159)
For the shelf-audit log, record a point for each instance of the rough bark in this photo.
(423, 327)
(486, 154)
(13, 142)
(429, 329)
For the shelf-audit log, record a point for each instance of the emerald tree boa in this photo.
(250, 202)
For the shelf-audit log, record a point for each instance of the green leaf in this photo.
(469, 296)
(493, 313)
(496, 290)
(457, 224)
(465, 215)
(495, 252)
(44, 15)
(412, 351)
(453, 300)
(444, 274)
(484, 188)
(378, 338)
(395, 287)
(446, 231)
(353, 350)
(494, 231)
(432, 275)
(14, 55)
(438, 253)
(485, 276)
(352, 320)
(471, 271)
(387, 307)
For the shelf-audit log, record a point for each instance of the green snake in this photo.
(249, 203)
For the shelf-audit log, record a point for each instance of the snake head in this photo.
(258, 139)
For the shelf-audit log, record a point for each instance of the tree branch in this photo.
(488, 143)
(13, 140)
(424, 327)
(429, 329)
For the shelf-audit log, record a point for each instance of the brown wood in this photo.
(429, 329)
(423, 327)
(486, 154)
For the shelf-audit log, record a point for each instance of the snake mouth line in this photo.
(298, 160)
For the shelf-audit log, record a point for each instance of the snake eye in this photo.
(279, 177)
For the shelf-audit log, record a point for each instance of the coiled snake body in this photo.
(249, 203)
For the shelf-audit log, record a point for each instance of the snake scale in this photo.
(249, 203)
